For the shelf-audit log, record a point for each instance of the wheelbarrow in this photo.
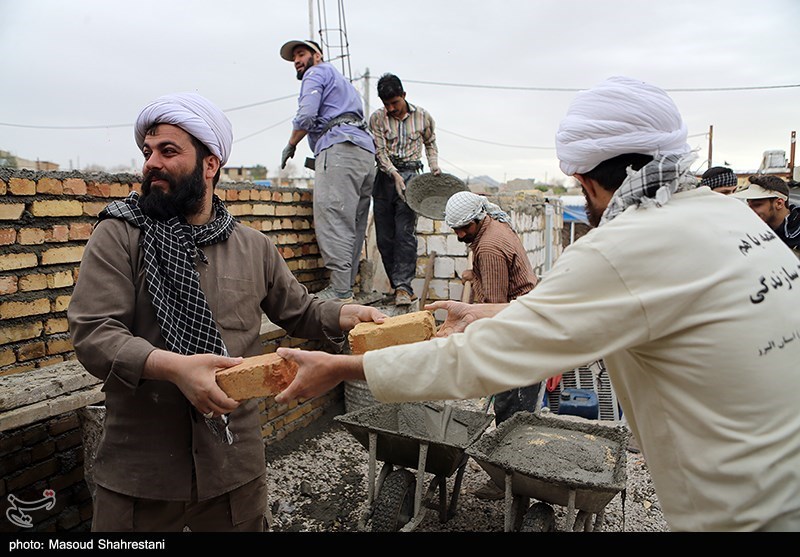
(412, 440)
(568, 461)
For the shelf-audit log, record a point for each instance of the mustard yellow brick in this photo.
(7, 357)
(70, 254)
(61, 279)
(56, 325)
(57, 208)
(58, 346)
(93, 208)
(11, 211)
(16, 333)
(11, 310)
(61, 303)
(30, 283)
(11, 261)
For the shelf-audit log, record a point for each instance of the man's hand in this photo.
(318, 373)
(195, 376)
(467, 275)
(399, 185)
(288, 153)
(353, 314)
(459, 314)
(435, 170)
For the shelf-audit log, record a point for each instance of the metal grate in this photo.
(592, 376)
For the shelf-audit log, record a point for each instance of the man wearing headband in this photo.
(684, 293)
(501, 272)
(331, 115)
(720, 179)
(171, 289)
(768, 196)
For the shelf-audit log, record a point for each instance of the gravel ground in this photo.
(318, 483)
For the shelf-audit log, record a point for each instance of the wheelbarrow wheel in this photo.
(540, 518)
(394, 506)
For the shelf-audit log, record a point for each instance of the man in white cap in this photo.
(171, 289)
(679, 289)
(331, 114)
(768, 196)
(500, 273)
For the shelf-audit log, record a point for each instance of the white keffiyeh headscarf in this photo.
(464, 207)
(194, 114)
(620, 115)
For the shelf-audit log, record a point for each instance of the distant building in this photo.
(7, 159)
(243, 173)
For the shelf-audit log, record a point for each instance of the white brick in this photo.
(444, 267)
(454, 247)
(422, 245)
(437, 243)
(424, 225)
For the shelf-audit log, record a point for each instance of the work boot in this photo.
(403, 298)
(489, 492)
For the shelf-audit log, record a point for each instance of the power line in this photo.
(575, 90)
(107, 126)
(439, 128)
(262, 131)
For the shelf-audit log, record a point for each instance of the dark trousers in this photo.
(508, 403)
(395, 230)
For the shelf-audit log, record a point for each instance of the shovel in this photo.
(443, 427)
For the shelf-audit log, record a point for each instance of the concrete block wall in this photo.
(534, 217)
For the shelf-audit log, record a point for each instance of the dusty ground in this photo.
(318, 483)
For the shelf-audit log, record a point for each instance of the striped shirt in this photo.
(502, 270)
(403, 140)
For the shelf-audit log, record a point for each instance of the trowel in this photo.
(443, 427)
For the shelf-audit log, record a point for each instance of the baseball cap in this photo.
(288, 48)
(764, 187)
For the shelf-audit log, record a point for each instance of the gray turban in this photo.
(464, 207)
(195, 115)
(619, 116)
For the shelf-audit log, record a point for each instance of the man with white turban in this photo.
(692, 301)
(171, 289)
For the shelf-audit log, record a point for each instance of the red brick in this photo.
(32, 474)
(59, 233)
(98, 189)
(31, 236)
(80, 230)
(63, 423)
(8, 285)
(21, 186)
(7, 236)
(120, 190)
(49, 185)
(31, 351)
(74, 186)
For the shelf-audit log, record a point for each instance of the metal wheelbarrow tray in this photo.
(429, 437)
(577, 463)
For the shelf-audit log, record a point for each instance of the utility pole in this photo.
(366, 94)
(311, 19)
(710, 143)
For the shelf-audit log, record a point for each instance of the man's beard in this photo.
(467, 238)
(308, 64)
(184, 197)
(594, 213)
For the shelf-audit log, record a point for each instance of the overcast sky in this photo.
(91, 65)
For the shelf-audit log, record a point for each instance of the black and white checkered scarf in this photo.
(652, 185)
(171, 249)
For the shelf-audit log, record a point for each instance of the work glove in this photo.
(399, 185)
(288, 153)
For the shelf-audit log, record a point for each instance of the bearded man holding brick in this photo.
(171, 289)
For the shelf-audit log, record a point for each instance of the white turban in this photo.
(464, 207)
(620, 115)
(195, 115)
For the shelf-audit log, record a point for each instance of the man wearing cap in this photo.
(331, 115)
(402, 131)
(698, 325)
(768, 196)
(171, 289)
(720, 179)
(501, 272)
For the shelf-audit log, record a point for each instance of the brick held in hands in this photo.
(400, 329)
(257, 377)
